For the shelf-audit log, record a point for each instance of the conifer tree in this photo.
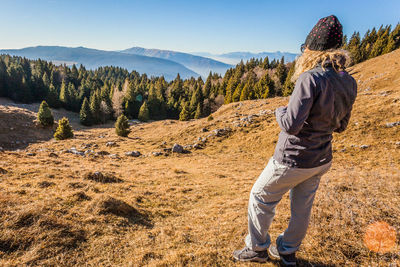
(184, 115)
(65, 98)
(288, 86)
(122, 126)
(197, 114)
(207, 86)
(64, 130)
(85, 115)
(237, 92)
(45, 117)
(95, 103)
(144, 113)
(245, 95)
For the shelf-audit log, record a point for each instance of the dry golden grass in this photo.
(190, 209)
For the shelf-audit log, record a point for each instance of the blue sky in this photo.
(183, 25)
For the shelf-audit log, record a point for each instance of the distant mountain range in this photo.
(199, 64)
(92, 58)
(153, 62)
(235, 57)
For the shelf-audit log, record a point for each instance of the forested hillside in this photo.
(111, 91)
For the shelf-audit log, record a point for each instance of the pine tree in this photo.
(64, 130)
(237, 92)
(197, 114)
(245, 95)
(288, 86)
(207, 86)
(185, 112)
(95, 103)
(85, 115)
(65, 98)
(122, 126)
(45, 117)
(144, 113)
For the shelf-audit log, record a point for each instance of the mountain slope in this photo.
(190, 209)
(198, 64)
(92, 58)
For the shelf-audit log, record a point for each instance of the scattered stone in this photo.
(114, 156)
(45, 184)
(163, 143)
(204, 130)
(31, 154)
(177, 148)
(73, 150)
(364, 146)
(197, 146)
(222, 131)
(392, 124)
(156, 153)
(111, 144)
(88, 152)
(397, 143)
(53, 155)
(102, 178)
(168, 149)
(102, 153)
(188, 147)
(133, 153)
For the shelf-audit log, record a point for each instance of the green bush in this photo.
(210, 118)
(64, 130)
(122, 126)
(45, 117)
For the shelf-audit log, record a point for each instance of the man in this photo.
(320, 105)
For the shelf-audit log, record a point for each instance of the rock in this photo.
(31, 154)
(102, 153)
(177, 148)
(222, 131)
(73, 150)
(53, 155)
(167, 149)
(111, 144)
(88, 152)
(197, 146)
(364, 146)
(188, 147)
(114, 156)
(204, 130)
(133, 153)
(392, 124)
(1, 149)
(3, 171)
(163, 143)
(156, 153)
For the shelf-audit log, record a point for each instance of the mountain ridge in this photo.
(94, 58)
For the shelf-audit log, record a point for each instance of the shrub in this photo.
(122, 126)
(210, 118)
(64, 130)
(45, 117)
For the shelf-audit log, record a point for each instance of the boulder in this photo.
(177, 148)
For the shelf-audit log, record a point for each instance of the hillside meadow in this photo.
(105, 208)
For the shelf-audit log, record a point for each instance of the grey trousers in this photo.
(274, 181)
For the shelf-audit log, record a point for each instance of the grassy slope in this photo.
(190, 209)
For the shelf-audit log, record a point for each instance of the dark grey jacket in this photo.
(320, 104)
